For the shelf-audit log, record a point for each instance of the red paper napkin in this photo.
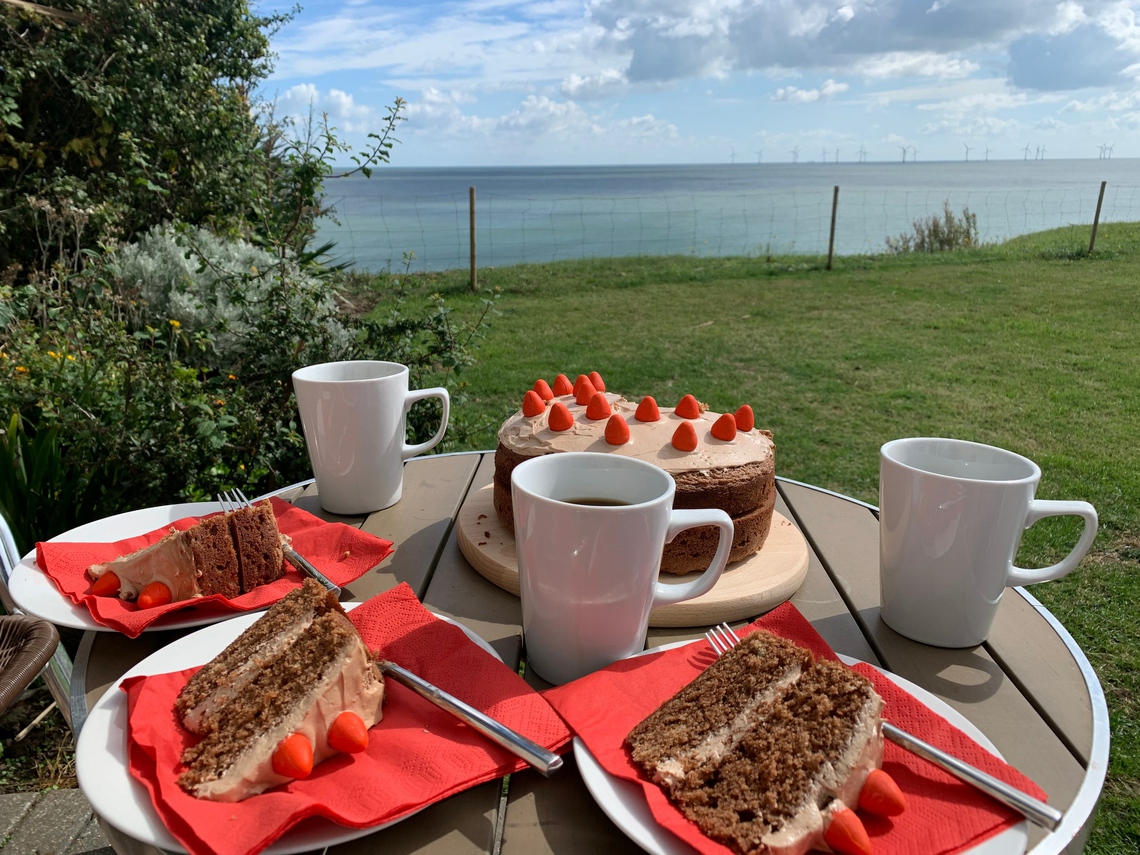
(943, 815)
(341, 552)
(417, 755)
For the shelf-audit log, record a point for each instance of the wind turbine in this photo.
(1026, 151)
(795, 154)
(760, 156)
(823, 156)
(1041, 154)
(967, 152)
(862, 154)
(837, 155)
(987, 154)
(732, 157)
(1110, 148)
(904, 150)
(913, 154)
(1103, 148)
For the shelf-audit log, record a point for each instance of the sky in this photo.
(615, 82)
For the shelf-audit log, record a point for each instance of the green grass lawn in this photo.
(1032, 345)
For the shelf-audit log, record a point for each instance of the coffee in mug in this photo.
(589, 531)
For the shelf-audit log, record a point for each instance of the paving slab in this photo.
(56, 822)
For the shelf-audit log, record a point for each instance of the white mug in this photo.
(951, 516)
(589, 530)
(354, 415)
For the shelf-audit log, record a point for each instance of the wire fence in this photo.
(433, 232)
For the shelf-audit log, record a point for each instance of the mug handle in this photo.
(679, 520)
(1041, 508)
(419, 395)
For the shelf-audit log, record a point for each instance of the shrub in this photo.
(936, 234)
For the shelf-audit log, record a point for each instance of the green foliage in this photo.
(935, 234)
(140, 109)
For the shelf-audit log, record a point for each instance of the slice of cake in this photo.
(291, 675)
(765, 746)
(717, 460)
(227, 554)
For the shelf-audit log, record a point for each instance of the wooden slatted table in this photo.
(1029, 689)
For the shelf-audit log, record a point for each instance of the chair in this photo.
(29, 645)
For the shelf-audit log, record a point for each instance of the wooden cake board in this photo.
(747, 588)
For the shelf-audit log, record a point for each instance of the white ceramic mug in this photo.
(354, 415)
(588, 573)
(951, 516)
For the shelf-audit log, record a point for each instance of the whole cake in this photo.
(766, 748)
(717, 460)
(298, 683)
(227, 554)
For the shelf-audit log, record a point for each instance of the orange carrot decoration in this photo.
(562, 385)
(685, 437)
(688, 408)
(348, 734)
(725, 428)
(583, 390)
(154, 594)
(596, 379)
(847, 835)
(881, 795)
(532, 404)
(647, 410)
(106, 585)
(560, 418)
(598, 408)
(617, 430)
(542, 388)
(745, 420)
(293, 757)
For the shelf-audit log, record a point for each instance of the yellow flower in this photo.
(219, 402)
(241, 466)
(232, 376)
(70, 357)
(22, 369)
(175, 323)
(53, 354)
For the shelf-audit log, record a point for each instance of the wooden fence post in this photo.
(831, 239)
(474, 275)
(1096, 217)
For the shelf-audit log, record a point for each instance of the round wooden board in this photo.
(747, 588)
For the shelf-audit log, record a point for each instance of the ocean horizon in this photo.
(418, 218)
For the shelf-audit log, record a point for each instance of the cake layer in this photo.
(326, 670)
(764, 746)
(261, 559)
(231, 671)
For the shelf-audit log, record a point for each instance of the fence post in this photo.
(831, 239)
(1096, 217)
(474, 275)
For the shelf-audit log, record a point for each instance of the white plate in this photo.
(37, 595)
(101, 762)
(624, 802)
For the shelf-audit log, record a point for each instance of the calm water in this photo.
(420, 218)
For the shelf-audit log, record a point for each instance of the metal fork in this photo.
(722, 639)
(232, 500)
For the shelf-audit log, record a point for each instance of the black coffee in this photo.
(600, 501)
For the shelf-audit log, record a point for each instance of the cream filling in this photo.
(169, 561)
(351, 683)
(648, 441)
(721, 742)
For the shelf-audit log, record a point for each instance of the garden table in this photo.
(1029, 689)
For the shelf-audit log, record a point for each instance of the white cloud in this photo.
(917, 64)
(601, 85)
(795, 95)
(305, 100)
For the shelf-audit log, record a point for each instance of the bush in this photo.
(939, 235)
(106, 404)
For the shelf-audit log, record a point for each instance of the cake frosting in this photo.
(716, 460)
(292, 674)
(766, 747)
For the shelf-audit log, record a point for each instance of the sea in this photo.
(423, 219)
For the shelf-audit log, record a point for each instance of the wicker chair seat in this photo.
(26, 645)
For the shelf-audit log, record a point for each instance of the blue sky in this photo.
(566, 82)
